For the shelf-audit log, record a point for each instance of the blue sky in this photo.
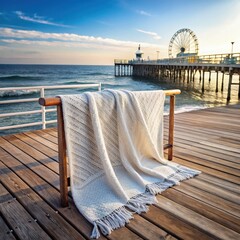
(97, 31)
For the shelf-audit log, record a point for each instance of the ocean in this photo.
(190, 99)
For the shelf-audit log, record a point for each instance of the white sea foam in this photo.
(185, 108)
(16, 93)
(189, 108)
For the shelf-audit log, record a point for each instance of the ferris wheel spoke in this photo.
(176, 50)
(188, 43)
(178, 41)
(177, 45)
(182, 37)
(186, 40)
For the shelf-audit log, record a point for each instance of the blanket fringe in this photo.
(115, 220)
(121, 216)
(182, 173)
(139, 203)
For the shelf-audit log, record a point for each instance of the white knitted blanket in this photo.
(115, 149)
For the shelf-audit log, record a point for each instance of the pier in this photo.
(123, 67)
(186, 69)
(205, 207)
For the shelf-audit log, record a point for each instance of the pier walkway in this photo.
(205, 207)
(186, 69)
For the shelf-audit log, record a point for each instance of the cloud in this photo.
(144, 13)
(47, 43)
(65, 39)
(38, 19)
(153, 34)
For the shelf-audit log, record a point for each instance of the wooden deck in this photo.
(205, 207)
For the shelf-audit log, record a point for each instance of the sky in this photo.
(95, 32)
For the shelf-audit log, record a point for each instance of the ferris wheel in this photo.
(183, 43)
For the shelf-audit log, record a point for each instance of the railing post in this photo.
(100, 87)
(43, 110)
(62, 158)
(171, 127)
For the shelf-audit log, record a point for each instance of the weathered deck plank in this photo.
(213, 213)
(6, 232)
(206, 207)
(203, 224)
(24, 225)
(55, 226)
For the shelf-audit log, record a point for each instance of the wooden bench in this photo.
(62, 156)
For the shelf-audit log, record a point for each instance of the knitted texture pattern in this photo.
(115, 151)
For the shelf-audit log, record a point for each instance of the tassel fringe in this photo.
(115, 220)
(139, 203)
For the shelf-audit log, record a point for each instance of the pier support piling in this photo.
(222, 81)
(239, 88)
(229, 85)
(203, 81)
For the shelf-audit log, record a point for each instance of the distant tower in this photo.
(139, 54)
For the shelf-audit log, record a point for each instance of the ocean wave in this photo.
(116, 86)
(183, 109)
(17, 93)
(75, 82)
(19, 77)
(97, 74)
(189, 108)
